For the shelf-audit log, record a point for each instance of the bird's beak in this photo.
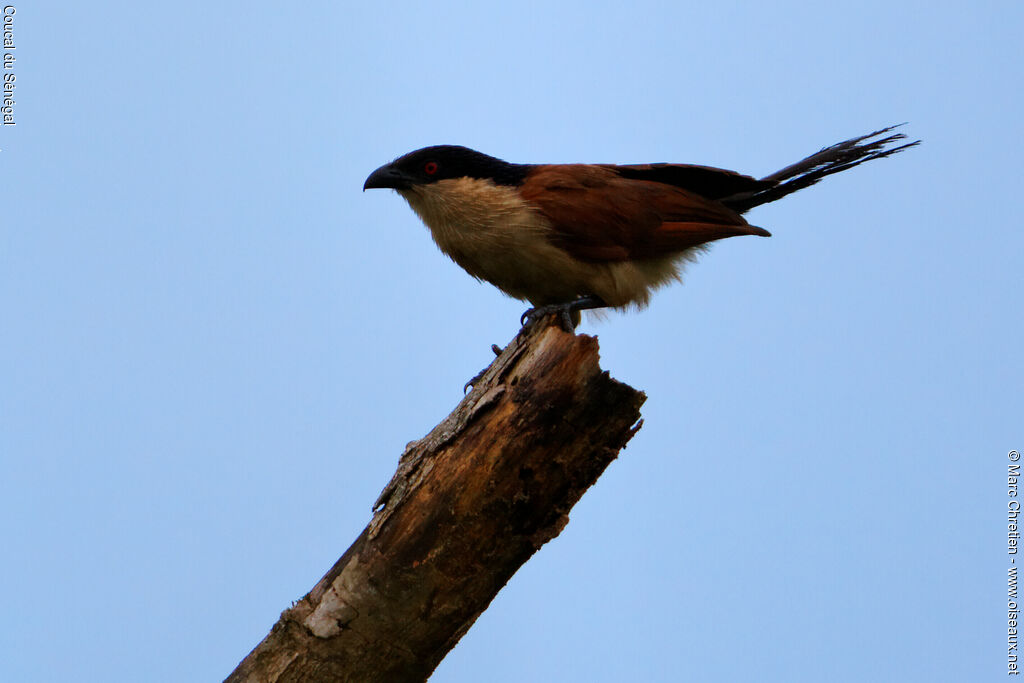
(387, 177)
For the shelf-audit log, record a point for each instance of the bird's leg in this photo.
(565, 311)
(476, 378)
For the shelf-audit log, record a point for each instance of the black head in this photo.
(444, 162)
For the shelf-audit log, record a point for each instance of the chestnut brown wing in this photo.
(706, 181)
(599, 215)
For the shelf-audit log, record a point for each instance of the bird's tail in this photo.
(838, 157)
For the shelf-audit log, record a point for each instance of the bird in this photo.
(575, 237)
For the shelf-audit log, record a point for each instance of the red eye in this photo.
(430, 168)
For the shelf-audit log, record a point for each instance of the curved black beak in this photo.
(387, 176)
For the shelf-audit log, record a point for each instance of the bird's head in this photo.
(444, 162)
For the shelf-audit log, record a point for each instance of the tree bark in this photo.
(469, 504)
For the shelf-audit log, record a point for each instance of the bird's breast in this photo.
(495, 235)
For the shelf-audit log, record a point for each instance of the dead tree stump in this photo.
(469, 504)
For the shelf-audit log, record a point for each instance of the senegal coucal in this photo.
(571, 237)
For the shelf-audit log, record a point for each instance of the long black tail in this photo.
(838, 157)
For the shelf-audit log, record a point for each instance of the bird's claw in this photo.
(472, 382)
(476, 378)
(564, 311)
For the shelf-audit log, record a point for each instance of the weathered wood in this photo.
(469, 504)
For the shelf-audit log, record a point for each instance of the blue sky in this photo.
(216, 346)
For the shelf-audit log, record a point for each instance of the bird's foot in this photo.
(534, 315)
(476, 378)
(568, 313)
